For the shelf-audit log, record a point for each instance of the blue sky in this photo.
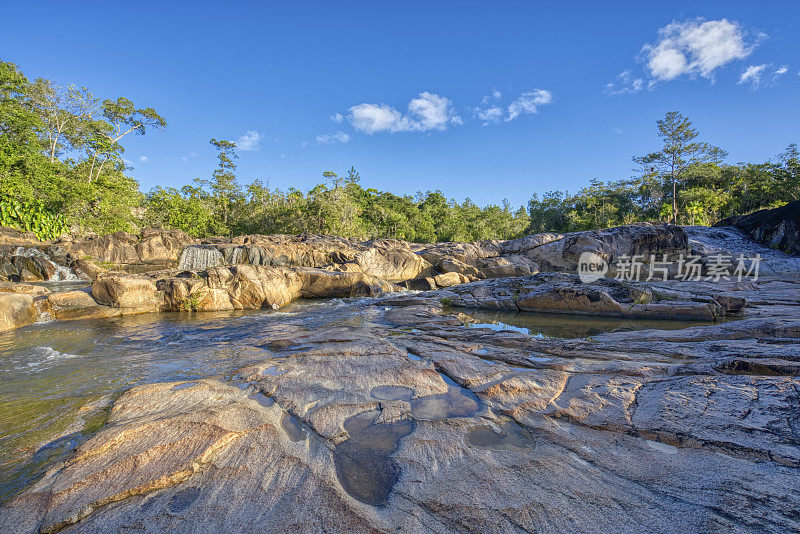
(482, 100)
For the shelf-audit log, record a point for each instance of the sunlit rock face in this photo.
(408, 416)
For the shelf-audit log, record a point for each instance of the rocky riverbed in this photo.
(409, 414)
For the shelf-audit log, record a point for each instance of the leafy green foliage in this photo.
(31, 218)
(61, 166)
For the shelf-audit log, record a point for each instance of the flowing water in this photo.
(58, 381)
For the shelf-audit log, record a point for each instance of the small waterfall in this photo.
(237, 256)
(199, 257)
(60, 272)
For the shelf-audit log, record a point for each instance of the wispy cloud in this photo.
(427, 112)
(186, 158)
(144, 159)
(626, 83)
(764, 75)
(337, 117)
(687, 49)
(526, 103)
(251, 140)
(332, 138)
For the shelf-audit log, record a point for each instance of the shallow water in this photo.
(58, 380)
(364, 463)
(566, 326)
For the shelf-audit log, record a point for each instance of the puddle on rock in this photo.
(272, 371)
(292, 427)
(415, 357)
(510, 436)
(457, 402)
(567, 326)
(392, 393)
(364, 462)
(262, 399)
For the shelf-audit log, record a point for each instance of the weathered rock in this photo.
(318, 283)
(777, 228)
(565, 293)
(610, 244)
(28, 289)
(117, 248)
(450, 279)
(622, 431)
(12, 236)
(72, 305)
(16, 310)
(452, 265)
(161, 245)
(130, 294)
(392, 264)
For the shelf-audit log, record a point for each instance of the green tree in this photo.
(680, 151)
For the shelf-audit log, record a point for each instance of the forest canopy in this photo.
(62, 169)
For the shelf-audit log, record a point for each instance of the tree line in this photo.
(62, 166)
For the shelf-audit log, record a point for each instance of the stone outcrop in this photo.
(132, 294)
(16, 310)
(74, 305)
(410, 421)
(778, 228)
(565, 293)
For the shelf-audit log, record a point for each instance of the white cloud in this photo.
(618, 131)
(626, 83)
(144, 159)
(333, 138)
(758, 76)
(689, 49)
(695, 47)
(487, 115)
(528, 103)
(251, 140)
(427, 112)
(337, 117)
(185, 159)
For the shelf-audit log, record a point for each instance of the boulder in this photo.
(393, 264)
(777, 228)
(28, 289)
(161, 245)
(72, 305)
(319, 283)
(452, 265)
(450, 279)
(610, 244)
(566, 293)
(130, 294)
(16, 310)
(117, 248)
